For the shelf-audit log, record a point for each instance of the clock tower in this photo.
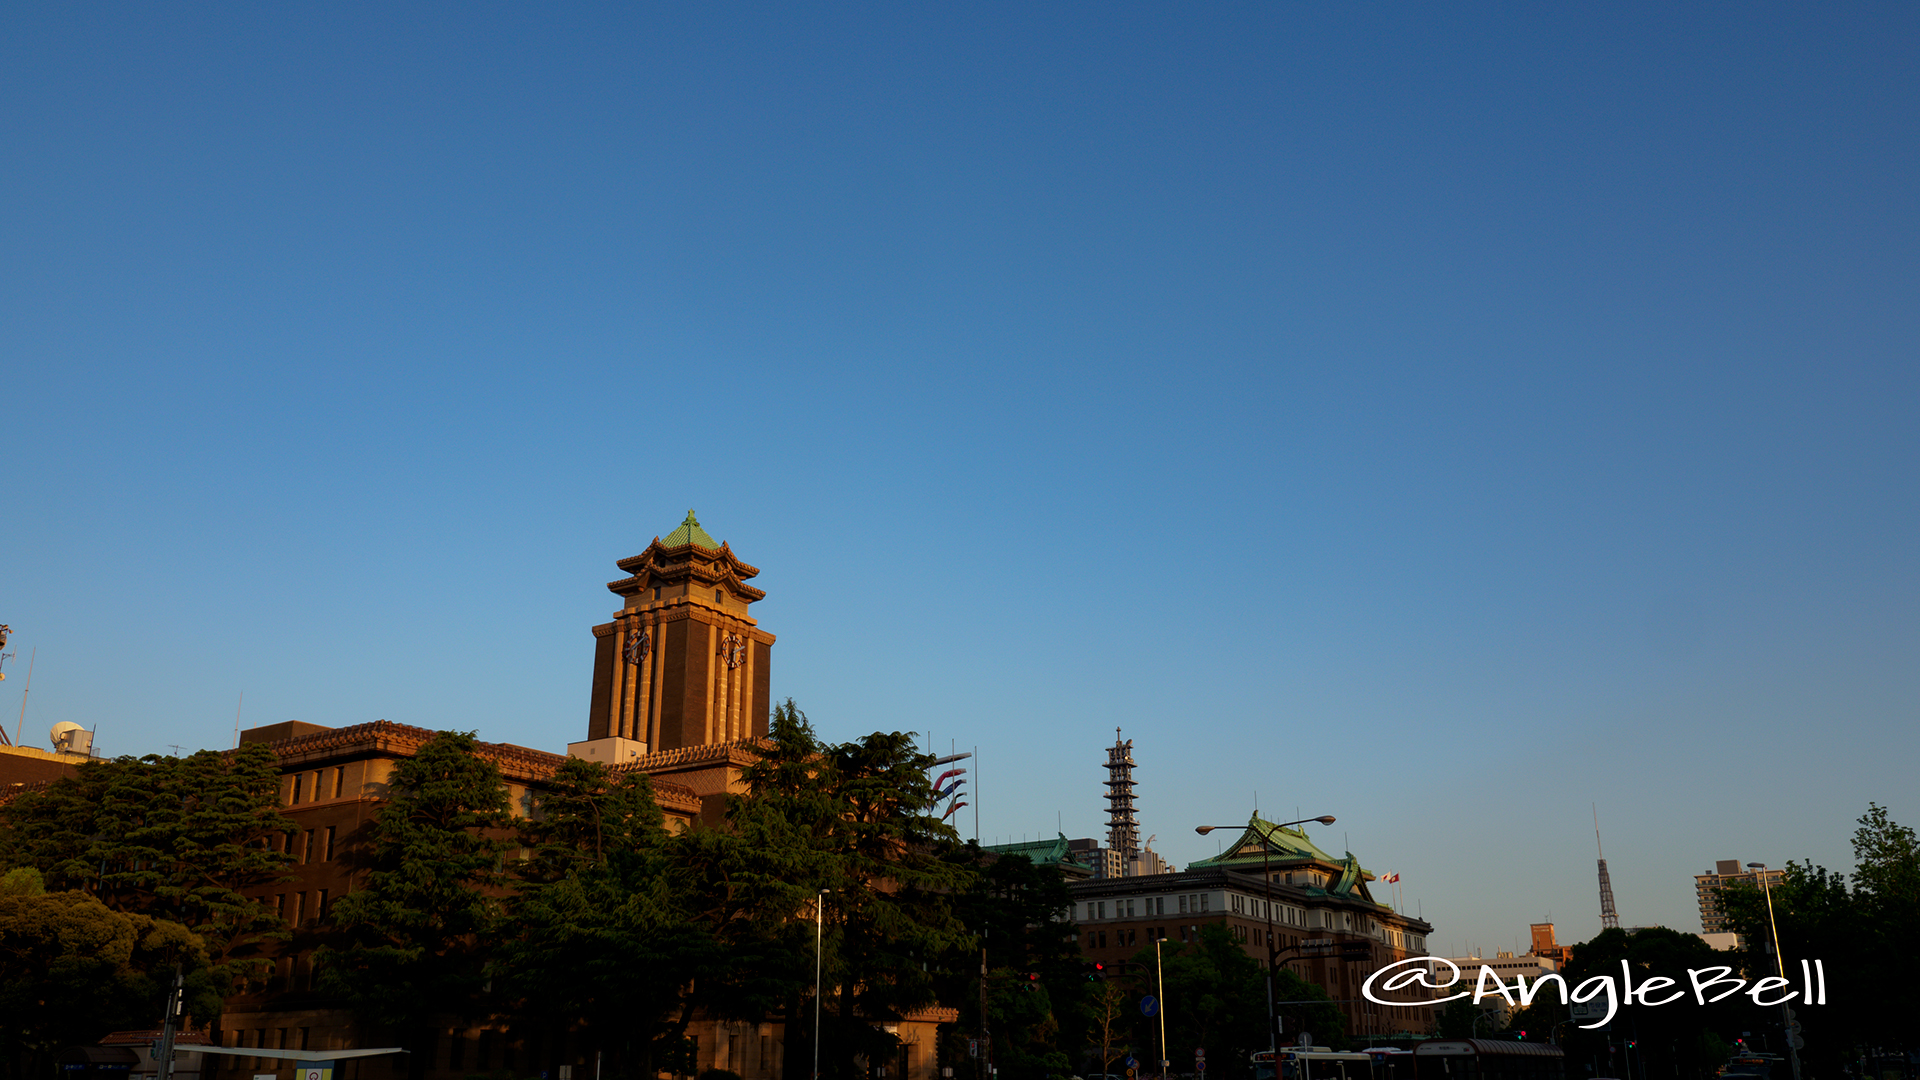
(682, 664)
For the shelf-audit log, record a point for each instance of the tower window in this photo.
(716, 596)
(656, 592)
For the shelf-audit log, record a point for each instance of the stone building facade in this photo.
(680, 692)
(1321, 912)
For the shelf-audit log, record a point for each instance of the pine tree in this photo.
(598, 933)
(417, 934)
(178, 838)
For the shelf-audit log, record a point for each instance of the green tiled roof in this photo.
(690, 532)
(1041, 852)
(1284, 843)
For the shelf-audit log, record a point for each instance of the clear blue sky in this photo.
(1442, 419)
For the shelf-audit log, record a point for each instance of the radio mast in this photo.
(1609, 919)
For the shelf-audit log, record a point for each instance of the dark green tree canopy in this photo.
(415, 936)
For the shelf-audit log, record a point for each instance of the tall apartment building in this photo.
(1727, 872)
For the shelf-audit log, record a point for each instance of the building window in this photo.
(320, 905)
(456, 1051)
(656, 592)
(299, 907)
(297, 778)
(339, 781)
(1183, 906)
(306, 847)
(1203, 901)
(716, 596)
(329, 849)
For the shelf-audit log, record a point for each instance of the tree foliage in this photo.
(600, 934)
(1862, 933)
(845, 826)
(175, 838)
(416, 937)
(72, 968)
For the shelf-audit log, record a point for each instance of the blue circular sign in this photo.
(1149, 1005)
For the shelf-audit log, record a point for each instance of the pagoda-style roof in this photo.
(689, 532)
(1286, 847)
(688, 552)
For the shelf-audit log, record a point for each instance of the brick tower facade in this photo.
(683, 664)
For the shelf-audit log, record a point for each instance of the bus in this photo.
(1390, 1062)
(1313, 1063)
(1487, 1059)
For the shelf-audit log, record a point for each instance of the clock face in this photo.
(638, 646)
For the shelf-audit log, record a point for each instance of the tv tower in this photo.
(1123, 830)
(1609, 919)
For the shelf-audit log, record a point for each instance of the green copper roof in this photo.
(1284, 844)
(690, 532)
(1042, 852)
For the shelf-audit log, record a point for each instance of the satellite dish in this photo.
(71, 737)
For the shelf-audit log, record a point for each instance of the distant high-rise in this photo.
(1123, 829)
(1727, 872)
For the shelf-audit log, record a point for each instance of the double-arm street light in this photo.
(1780, 964)
(1266, 874)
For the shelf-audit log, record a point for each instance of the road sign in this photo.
(1199, 1053)
(1132, 1063)
(1306, 1038)
(1149, 1005)
(1796, 1042)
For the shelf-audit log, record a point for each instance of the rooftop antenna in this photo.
(31, 657)
(1609, 919)
(4, 657)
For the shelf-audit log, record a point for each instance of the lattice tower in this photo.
(1609, 919)
(1123, 829)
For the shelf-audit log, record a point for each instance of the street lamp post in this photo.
(1160, 1006)
(818, 933)
(1266, 874)
(1780, 965)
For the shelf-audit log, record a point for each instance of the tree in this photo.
(850, 819)
(1222, 999)
(1862, 934)
(71, 968)
(1019, 912)
(414, 937)
(599, 933)
(1669, 1036)
(178, 838)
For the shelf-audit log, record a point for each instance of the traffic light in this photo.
(1096, 971)
(1521, 1037)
